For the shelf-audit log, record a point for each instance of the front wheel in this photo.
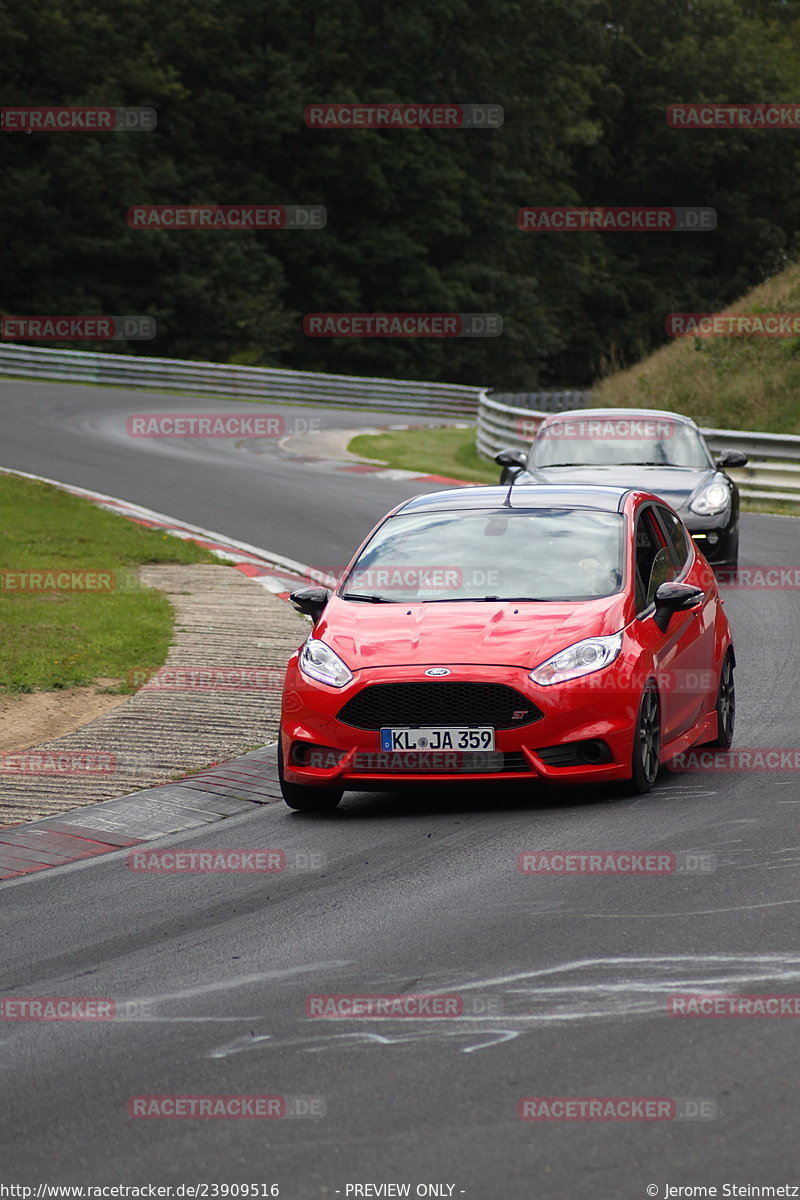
(726, 706)
(646, 755)
(303, 798)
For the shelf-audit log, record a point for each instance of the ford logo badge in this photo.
(438, 671)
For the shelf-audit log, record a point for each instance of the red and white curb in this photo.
(273, 571)
(278, 574)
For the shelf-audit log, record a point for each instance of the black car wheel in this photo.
(726, 705)
(646, 756)
(730, 565)
(734, 553)
(306, 799)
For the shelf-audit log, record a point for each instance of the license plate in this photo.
(432, 737)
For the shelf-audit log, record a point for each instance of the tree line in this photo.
(418, 220)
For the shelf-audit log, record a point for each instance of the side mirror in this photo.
(512, 462)
(675, 597)
(311, 601)
(511, 458)
(731, 458)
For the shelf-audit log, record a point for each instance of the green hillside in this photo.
(723, 382)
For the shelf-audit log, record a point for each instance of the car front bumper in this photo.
(717, 537)
(337, 755)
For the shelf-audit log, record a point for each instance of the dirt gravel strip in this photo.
(222, 620)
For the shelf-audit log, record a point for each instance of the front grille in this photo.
(440, 762)
(516, 761)
(439, 702)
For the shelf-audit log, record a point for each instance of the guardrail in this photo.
(548, 402)
(773, 472)
(241, 383)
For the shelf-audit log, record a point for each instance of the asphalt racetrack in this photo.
(561, 981)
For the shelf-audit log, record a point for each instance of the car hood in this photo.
(486, 633)
(673, 484)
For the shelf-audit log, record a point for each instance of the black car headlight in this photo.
(714, 498)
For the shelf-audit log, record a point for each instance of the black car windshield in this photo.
(599, 441)
(501, 554)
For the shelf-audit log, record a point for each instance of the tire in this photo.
(734, 563)
(725, 706)
(306, 799)
(731, 564)
(646, 754)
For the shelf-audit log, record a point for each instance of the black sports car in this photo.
(661, 452)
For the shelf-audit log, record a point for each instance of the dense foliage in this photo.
(421, 220)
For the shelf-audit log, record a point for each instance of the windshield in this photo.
(613, 442)
(502, 554)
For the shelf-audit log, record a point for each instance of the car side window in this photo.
(677, 536)
(662, 571)
(655, 560)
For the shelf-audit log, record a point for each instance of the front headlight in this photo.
(592, 654)
(319, 662)
(713, 499)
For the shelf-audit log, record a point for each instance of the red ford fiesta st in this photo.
(487, 633)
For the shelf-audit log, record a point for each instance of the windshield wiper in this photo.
(369, 598)
(481, 599)
(642, 462)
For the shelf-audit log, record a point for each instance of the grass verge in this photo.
(55, 639)
(723, 382)
(440, 451)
